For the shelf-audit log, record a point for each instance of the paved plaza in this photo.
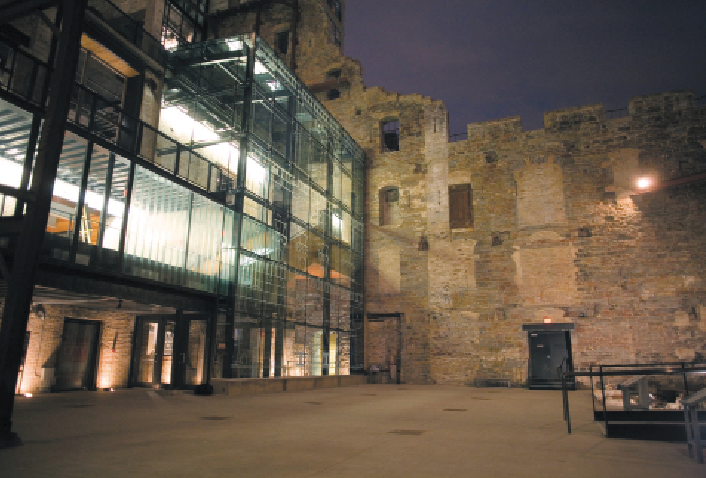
(357, 432)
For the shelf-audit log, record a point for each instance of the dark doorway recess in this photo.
(78, 355)
(170, 351)
(549, 355)
(386, 364)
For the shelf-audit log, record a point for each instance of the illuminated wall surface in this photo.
(248, 188)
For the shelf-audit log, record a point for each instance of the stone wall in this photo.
(561, 230)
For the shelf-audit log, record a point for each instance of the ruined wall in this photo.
(560, 230)
(398, 259)
(565, 233)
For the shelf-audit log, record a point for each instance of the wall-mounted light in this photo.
(644, 183)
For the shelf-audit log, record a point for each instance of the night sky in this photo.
(490, 59)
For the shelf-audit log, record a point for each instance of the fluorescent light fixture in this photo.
(336, 221)
(234, 45)
(256, 172)
(260, 68)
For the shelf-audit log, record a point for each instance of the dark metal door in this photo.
(550, 353)
(78, 355)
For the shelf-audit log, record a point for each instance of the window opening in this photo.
(391, 136)
(460, 206)
(333, 75)
(335, 6)
(389, 206)
(283, 42)
(335, 34)
(333, 94)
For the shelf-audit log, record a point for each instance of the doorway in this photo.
(78, 355)
(549, 356)
(170, 351)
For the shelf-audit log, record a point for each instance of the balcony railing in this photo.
(23, 75)
(105, 119)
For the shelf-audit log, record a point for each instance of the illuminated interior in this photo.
(283, 245)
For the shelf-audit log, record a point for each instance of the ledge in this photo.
(251, 386)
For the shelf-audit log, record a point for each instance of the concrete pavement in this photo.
(364, 431)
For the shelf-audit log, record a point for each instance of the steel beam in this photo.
(13, 10)
(20, 288)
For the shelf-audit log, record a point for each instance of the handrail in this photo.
(99, 116)
(662, 369)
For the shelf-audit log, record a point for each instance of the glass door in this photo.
(153, 351)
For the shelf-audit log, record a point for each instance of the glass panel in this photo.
(166, 153)
(196, 353)
(147, 350)
(300, 199)
(157, 228)
(168, 354)
(65, 195)
(93, 202)
(15, 128)
(336, 181)
(279, 134)
(298, 247)
(346, 191)
(318, 164)
(261, 117)
(257, 179)
(115, 212)
(204, 244)
(318, 210)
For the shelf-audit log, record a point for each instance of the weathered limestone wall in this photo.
(560, 232)
(560, 229)
(564, 233)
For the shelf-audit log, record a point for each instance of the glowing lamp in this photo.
(644, 183)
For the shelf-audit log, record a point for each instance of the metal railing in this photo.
(626, 370)
(103, 118)
(23, 75)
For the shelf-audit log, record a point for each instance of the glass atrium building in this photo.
(246, 192)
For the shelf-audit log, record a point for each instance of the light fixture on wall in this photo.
(644, 183)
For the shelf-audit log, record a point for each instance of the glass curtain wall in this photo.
(299, 254)
(250, 189)
(15, 133)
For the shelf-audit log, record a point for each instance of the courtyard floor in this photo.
(364, 431)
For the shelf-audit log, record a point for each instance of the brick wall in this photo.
(45, 340)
